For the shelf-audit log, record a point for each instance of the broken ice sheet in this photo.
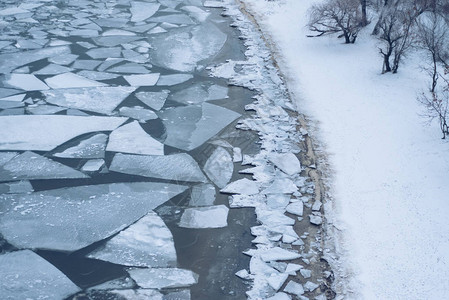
(72, 218)
(26, 275)
(159, 278)
(241, 186)
(98, 53)
(102, 100)
(71, 80)
(142, 10)
(138, 113)
(173, 79)
(26, 82)
(219, 167)
(191, 126)
(131, 138)
(155, 100)
(29, 165)
(202, 195)
(199, 93)
(93, 147)
(53, 69)
(183, 50)
(146, 243)
(180, 166)
(142, 79)
(205, 217)
(26, 132)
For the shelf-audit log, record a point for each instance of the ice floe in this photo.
(26, 132)
(143, 10)
(143, 79)
(131, 138)
(146, 243)
(173, 79)
(93, 165)
(179, 167)
(159, 278)
(26, 275)
(29, 165)
(241, 186)
(155, 100)
(138, 113)
(287, 162)
(202, 195)
(205, 217)
(219, 167)
(16, 187)
(191, 126)
(26, 82)
(71, 80)
(199, 93)
(69, 219)
(93, 147)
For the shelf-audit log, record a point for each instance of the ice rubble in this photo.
(159, 278)
(69, 219)
(29, 165)
(191, 126)
(147, 243)
(26, 275)
(182, 51)
(26, 132)
(180, 166)
(93, 147)
(205, 217)
(219, 167)
(102, 100)
(131, 138)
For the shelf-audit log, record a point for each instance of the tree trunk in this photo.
(364, 21)
(387, 67)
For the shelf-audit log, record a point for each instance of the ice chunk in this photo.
(63, 59)
(196, 13)
(72, 218)
(114, 40)
(275, 201)
(159, 278)
(237, 154)
(117, 32)
(310, 286)
(296, 208)
(93, 165)
(244, 201)
(133, 68)
(281, 186)
(276, 280)
(53, 69)
(287, 162)
(11, 61)
(139, 294)
(294, 288)
(278, 253)
(199, 93)
(93, 147)
(316, 220)
(182, 51)
(13, 11)
(26, 275)
(214, 4)
(155, 100)
(219, 167)
(138, 113)
(5, 104)
(202, 195)
(86, 64)
(147, 243)
(191, 126)
(173, 79)
(29, 165)
(70, 80)
(178, 295)
(180, 166)
(131, 138)
(173, 19)
(112, 22)
(279, 296)
(27, 132)
(305, 273)
(317, 205)
(292, 268)
(26, 82)
(7, 156)
(44, 109)
(273, 218)
(143, 10)
(205, 217)
(142, 80)
(93, 75)
(17, 187)
(241, 186)
(97, 53)
(97, 99)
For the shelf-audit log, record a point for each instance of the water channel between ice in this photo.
(114, 138)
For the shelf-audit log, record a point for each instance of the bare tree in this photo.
(364, 20)
(336, 16)
(395, 35)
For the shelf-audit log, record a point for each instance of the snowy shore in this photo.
(388, 170)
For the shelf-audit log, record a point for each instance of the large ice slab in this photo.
(29, 165)
(182, 51)
(205, 217)
(159, 278)
(131, 138)
(102, 100)
(69, 219)
(155, 100)
(143, 10)
(46, 132)
(147, 243)
(26, 275)
(71, 80)
(219, 167)
(93, 147)
(26, 82)
(191, 126)
(180, 166)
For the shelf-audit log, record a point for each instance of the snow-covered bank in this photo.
(390, 179)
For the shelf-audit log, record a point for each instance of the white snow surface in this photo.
(390, 171)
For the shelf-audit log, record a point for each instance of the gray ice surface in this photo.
(219, 167)
(93, 147)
